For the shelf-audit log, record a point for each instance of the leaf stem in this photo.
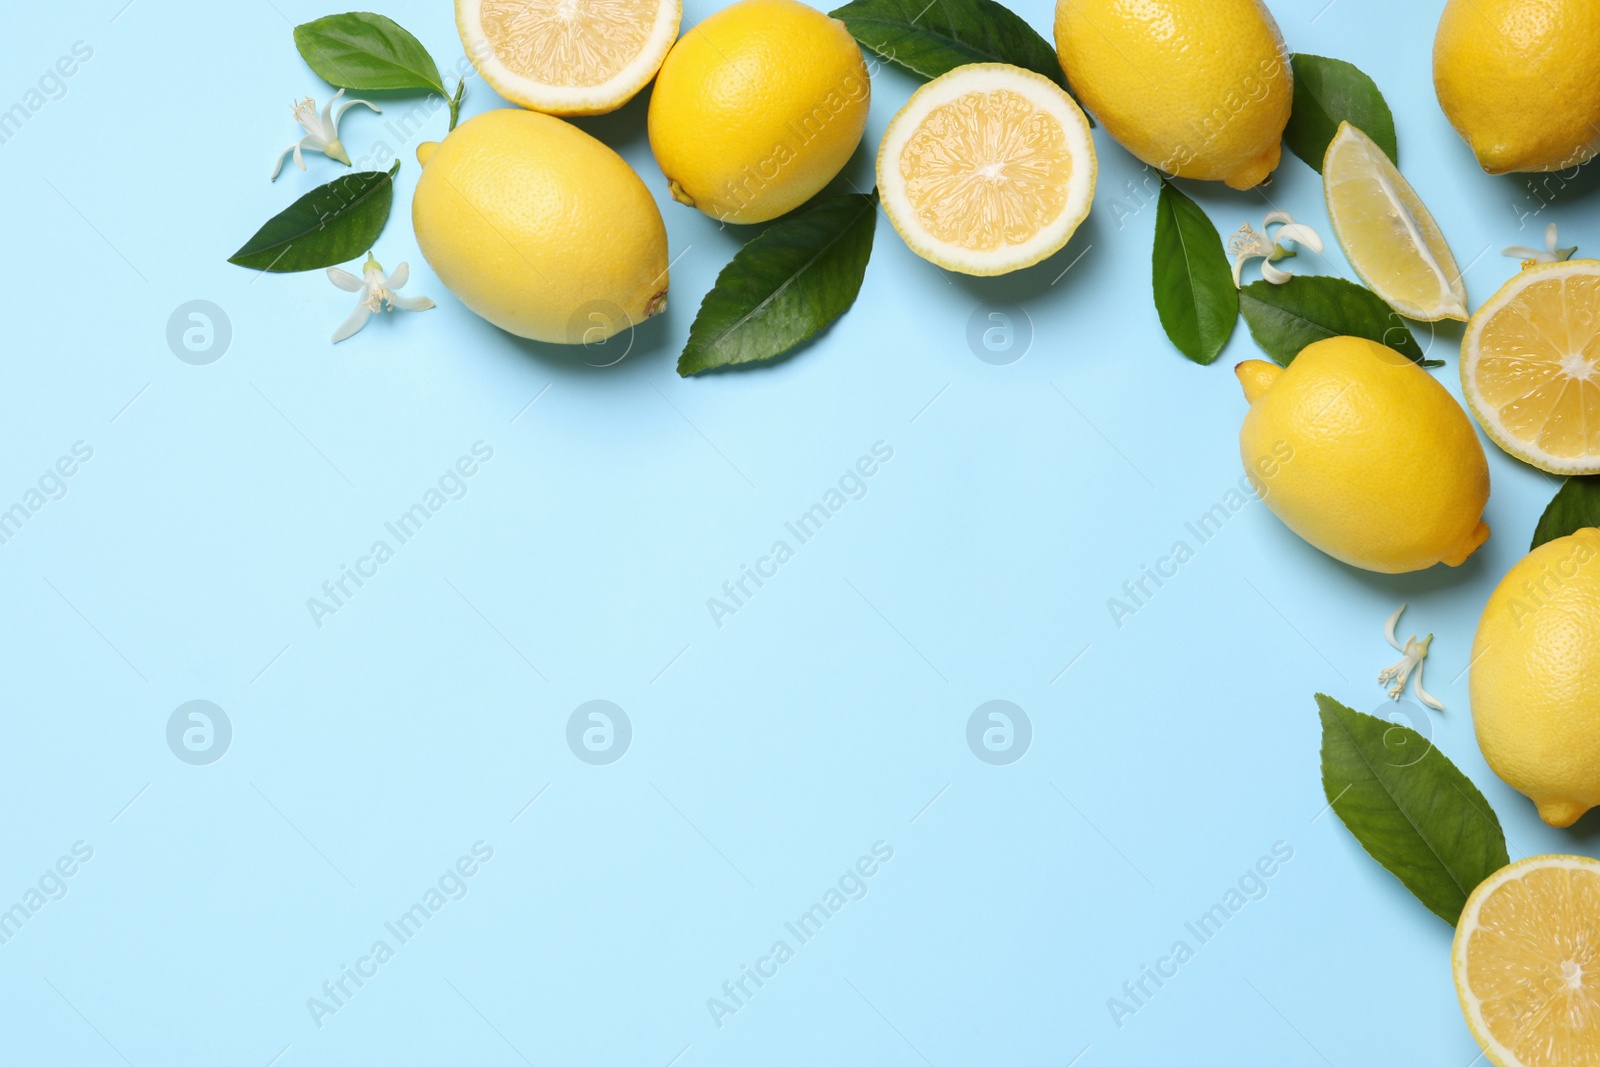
(455, 103)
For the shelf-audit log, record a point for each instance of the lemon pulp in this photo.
(568, 57)
(567, 42)
(1527, 963)
(986, 170)
(1387, 232)
(1530, 367)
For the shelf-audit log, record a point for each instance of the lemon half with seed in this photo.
(1527, 963)
(1387, 233)
(1530, 366)
(987, 169)
(568, 57)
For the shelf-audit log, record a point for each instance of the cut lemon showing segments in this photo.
(988, 168)
(1527, 963)
(1387, 233)
(1530, 367)
(568, 57)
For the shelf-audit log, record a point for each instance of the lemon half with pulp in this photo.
(1527, 963)
(568, 57)
(1530, 366)
(987, 169)
(1387, 233)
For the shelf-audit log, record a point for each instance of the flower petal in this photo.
(295, 149)
(1422, 694)
(329, 130)
(1302, 235)
(344, 280)
(1273, 274)
(1238, 267)
(1277, 216)
(1388, 628)
(348, 104)
(352, 326)
(1522, 252)
(410, 303)
(401, 275)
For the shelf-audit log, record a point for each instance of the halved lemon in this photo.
(1527, 963)
(568, 57)
(1387, 233)
(1530, 366)
(987, 169)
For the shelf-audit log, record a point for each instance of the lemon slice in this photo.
(1527, 963)
(1530, 366)
(1386, 231)
(568, 57)
(987, 169)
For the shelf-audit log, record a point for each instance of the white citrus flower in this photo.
(377, 294)
(322, 131)
(1248, 244)
(1551, 253)
(1414, 652)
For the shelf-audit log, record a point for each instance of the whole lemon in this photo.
(1536, 677)
(1359, 451)
(757, 108)
(1520, 81)
(540, 228)
(1195, 88)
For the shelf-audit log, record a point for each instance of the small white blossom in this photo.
(1551, 253)
(322, 131)
(377, 294)
(1248, 244)
(1414, 652)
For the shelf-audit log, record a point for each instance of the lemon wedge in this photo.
(1530, 366)
(988, 168)
(1386, 231)
(1527, 963)
(568, 57)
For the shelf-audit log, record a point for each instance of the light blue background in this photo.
(768, 755)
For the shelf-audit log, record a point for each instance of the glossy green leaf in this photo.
(332, 224)
(932, 37)
(784, 286)
(1409, 806)
(1285, 318)
(1328, 92)
(1195, 295)
(360, 50)
(1576, 507)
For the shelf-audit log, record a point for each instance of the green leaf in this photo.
(1576, 507)
(1409, 806)
(1326, 93)
(1195, 296)
(784, 286)
(1285, 318)
(360, 50)
(931, 38)
(331, 224)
